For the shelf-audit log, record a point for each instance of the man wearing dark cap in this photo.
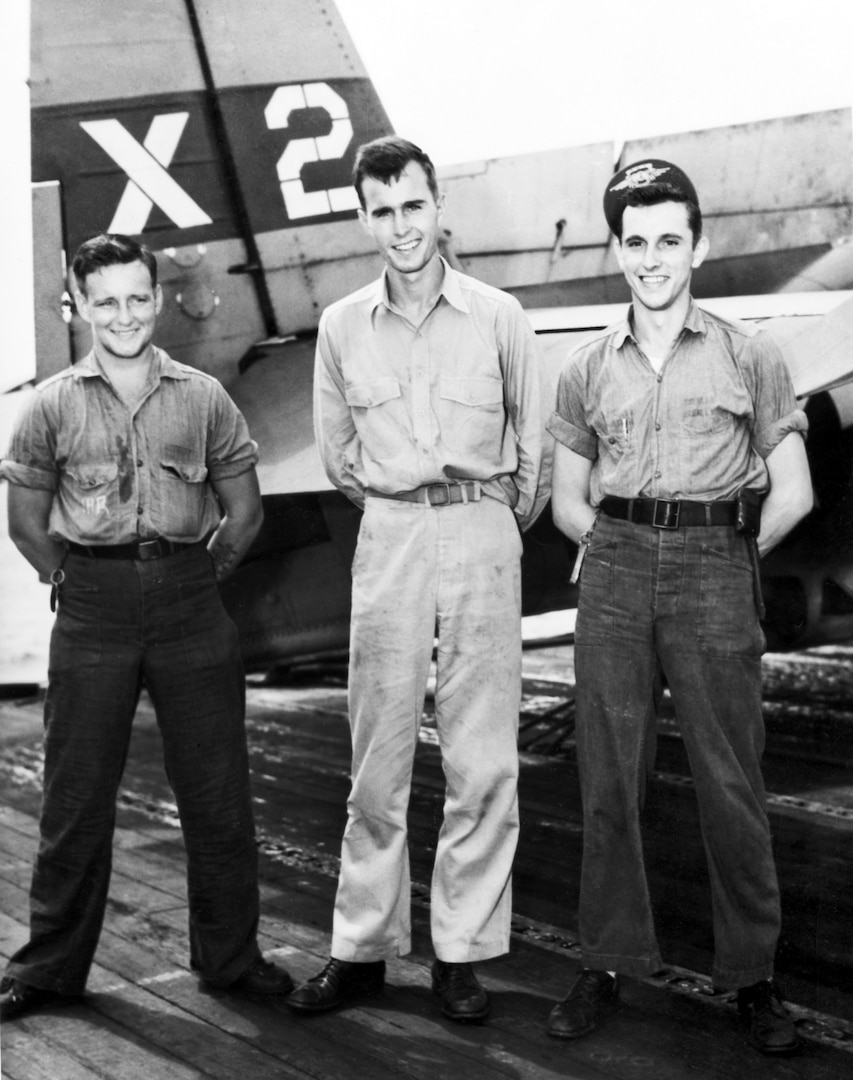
(678, 438)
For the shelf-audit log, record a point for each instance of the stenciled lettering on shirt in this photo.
(96, 505)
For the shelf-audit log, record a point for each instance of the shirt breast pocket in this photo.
(379, 415)
(184, 487)
(472, 414)
(94, 488)
(701, 419)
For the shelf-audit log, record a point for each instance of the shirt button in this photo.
(420, 412)
(139, 511)
(657, 427)
(612, 441)
(139, 463)
(660, 378)
(657, 475)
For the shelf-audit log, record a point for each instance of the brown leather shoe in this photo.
(262, 977)
(580, 1011)
(462, 997)
(19, 998)
(771, 1029)
(339, 981)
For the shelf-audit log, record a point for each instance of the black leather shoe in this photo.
(18, 998)
(592, 993)
(771, 1029)
(462, 997)
(262, 977)
(339, 981)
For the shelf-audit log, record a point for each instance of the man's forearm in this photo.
(42, 553)
(574, 518)
(229, 544)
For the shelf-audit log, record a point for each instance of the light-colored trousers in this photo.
(419, 568)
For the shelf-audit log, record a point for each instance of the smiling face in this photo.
(402, 216)
(121, 306)
(657, 255)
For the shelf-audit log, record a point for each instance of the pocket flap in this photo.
(472, 391)
(190, 474)
(367, 394)
(94, 475)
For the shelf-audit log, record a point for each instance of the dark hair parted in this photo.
(659, 192)
(108, 249)
(385, 159)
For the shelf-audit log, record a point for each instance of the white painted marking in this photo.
(145, 165)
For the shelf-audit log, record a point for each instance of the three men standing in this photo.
(679, 458)
(671, 428)
(430, 411)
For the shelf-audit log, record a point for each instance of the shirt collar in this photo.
(694, 322)
(451, 290)
(163, 366)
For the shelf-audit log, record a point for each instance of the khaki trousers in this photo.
(417, 570)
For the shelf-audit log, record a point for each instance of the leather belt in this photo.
(669, 513)
(143, 550)
(435, 494)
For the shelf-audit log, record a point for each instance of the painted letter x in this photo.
(148, 182)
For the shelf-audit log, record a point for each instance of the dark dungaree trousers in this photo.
(683, 599)
(122, 624)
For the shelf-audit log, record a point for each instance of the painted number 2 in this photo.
(298, 202)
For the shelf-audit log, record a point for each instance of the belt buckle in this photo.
(445, 488)
(666, 514)
(149, 549)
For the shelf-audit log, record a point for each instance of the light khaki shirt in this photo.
(464, 396)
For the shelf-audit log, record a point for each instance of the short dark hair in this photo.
(108, 249)
(651, 195)
(385, 159)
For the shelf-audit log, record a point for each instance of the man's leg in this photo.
(195, 677)
(617, 688)
(91, 698)
(478, 697)
(711, 652)
(393, 626)
(615, 669)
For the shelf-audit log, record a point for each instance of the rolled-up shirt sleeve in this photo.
(776, 413)
(30, 460)
(230, 449)
(567, 422)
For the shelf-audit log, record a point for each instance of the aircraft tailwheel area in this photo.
(145, 1014)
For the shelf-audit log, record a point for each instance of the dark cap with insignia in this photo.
(662, 177)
